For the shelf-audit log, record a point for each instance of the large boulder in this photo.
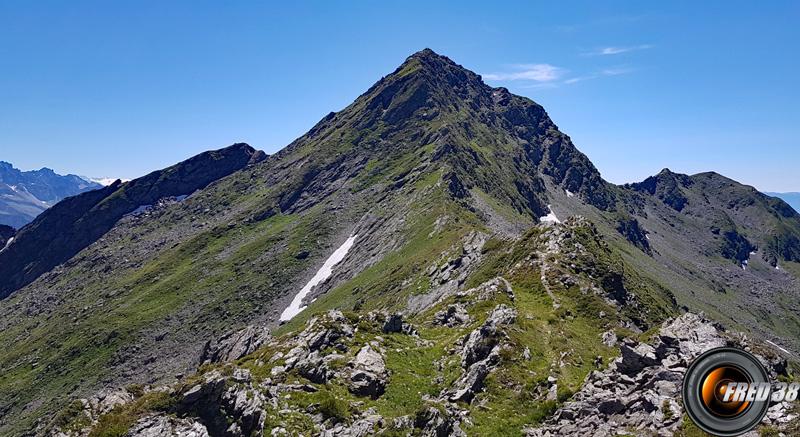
(368, 376)
(329, 330)
(314, 368)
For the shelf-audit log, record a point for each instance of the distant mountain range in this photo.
(792, 199)
(25, 194)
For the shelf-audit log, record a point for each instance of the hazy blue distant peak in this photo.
(793, 199)
(25, 194)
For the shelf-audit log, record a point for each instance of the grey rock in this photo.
(368, 376)
(327, 331)
(235, 345)
(434, 423)
(480, 354)
(165, 426)
(639, 390)
(452, 316)
(609, 338)
(480, 342)
(314, 368)
(106, 401)
(471, 382)
(394, 323)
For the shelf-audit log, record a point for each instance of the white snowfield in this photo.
(8, 243)
(549, 218)
(777, 346)
(322, 274)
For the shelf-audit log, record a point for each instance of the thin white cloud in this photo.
(529, 72)
(598, 74)
(615, 71)
(577, 79)
(614, 50)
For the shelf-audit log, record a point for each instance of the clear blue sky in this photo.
(121, 88)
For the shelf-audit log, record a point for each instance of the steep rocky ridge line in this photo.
(62, 231)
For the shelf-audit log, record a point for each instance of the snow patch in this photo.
(322, 274)
(103, 181)
(550, 217)
(782, 349)
(141, 208)
(8, 243)
(569, 193)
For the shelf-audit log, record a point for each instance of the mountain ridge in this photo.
(444, 181)
(43, 244)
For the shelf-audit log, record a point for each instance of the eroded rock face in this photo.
(166, 426)
(235, 345)
(639, 391)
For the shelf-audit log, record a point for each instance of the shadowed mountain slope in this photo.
(62, 231)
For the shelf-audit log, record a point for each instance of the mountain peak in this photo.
(427, 53)
(431, 58)
(434, 66)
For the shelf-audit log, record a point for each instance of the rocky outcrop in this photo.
(331, 330)
(491, 289)
(368, 376)
(480, 353)
(448, 275)
(163, 426)
(667, 186)
(630, 228)
(639, 391)
(392, 323)
(438, 422)
(227, 405)
(235, 345)
(452, 316)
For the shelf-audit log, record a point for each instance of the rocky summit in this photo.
(462, 269)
